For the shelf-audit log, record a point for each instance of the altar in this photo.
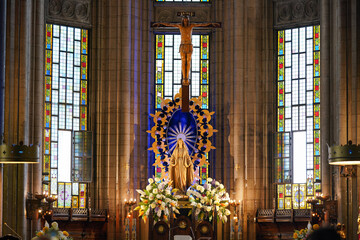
(182, 227)
(181, 201)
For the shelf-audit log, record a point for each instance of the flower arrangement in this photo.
(302, 234)
(158, 199)
(207, 199)
(51, 233)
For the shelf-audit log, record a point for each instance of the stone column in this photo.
(325, 95)
(23, 105)
(2, 86)
(36, 60)
(122, 75)
(244, 100)
(344, 58)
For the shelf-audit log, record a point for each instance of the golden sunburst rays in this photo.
(161, 138)
(183, 132)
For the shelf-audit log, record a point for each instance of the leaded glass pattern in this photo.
(66, 105)
(298, 111)
(168, 73)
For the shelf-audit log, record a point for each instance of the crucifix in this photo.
(186, 49)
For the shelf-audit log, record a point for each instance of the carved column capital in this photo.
(70, 12)
(289, 13)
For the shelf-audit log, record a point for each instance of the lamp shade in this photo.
(342, 155)
(19, 154)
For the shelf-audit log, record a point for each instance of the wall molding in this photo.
(291, 13)
(169, 14)
(69, 12)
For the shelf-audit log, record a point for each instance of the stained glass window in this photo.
(297, 141)
(66, 107)
(168, 72)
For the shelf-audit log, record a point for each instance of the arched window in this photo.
(168, 68)
(297, 141)
(168, 73)
(66, 115)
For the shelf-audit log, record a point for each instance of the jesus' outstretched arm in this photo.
(213, 25)
(165, 25)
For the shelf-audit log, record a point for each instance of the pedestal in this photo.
(183, 225)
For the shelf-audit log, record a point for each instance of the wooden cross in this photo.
(186, 49)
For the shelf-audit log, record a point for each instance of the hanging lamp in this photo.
(18, 153)
(348, 154)
(342, 155)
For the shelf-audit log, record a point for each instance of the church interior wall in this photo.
(121, 98)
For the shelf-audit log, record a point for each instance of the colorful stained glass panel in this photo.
(67, 195)
(66, 89)
(82, 195)
(298, 109)
(61, 195)
(168, 73)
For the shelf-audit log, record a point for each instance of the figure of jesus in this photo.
(186, 47)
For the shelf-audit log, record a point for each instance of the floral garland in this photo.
(207, 198)
(158, 132)
(306, 233)
(52, 233)
(157, 199)
(302, 234)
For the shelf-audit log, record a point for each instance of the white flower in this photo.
(153, 205)
(167, 192)
(198, 187)
(217, 183)
(157, 179)
(151, 196)
(142, 207)
(217, 208)
(221, 186)
(148, 187)
(140, 191)
(202, 201)
(197, 211)
(150, 180)
(209, 180)
(55, 226)
(155, 191)
(208, 209)
(198, 205)
(227, 212)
